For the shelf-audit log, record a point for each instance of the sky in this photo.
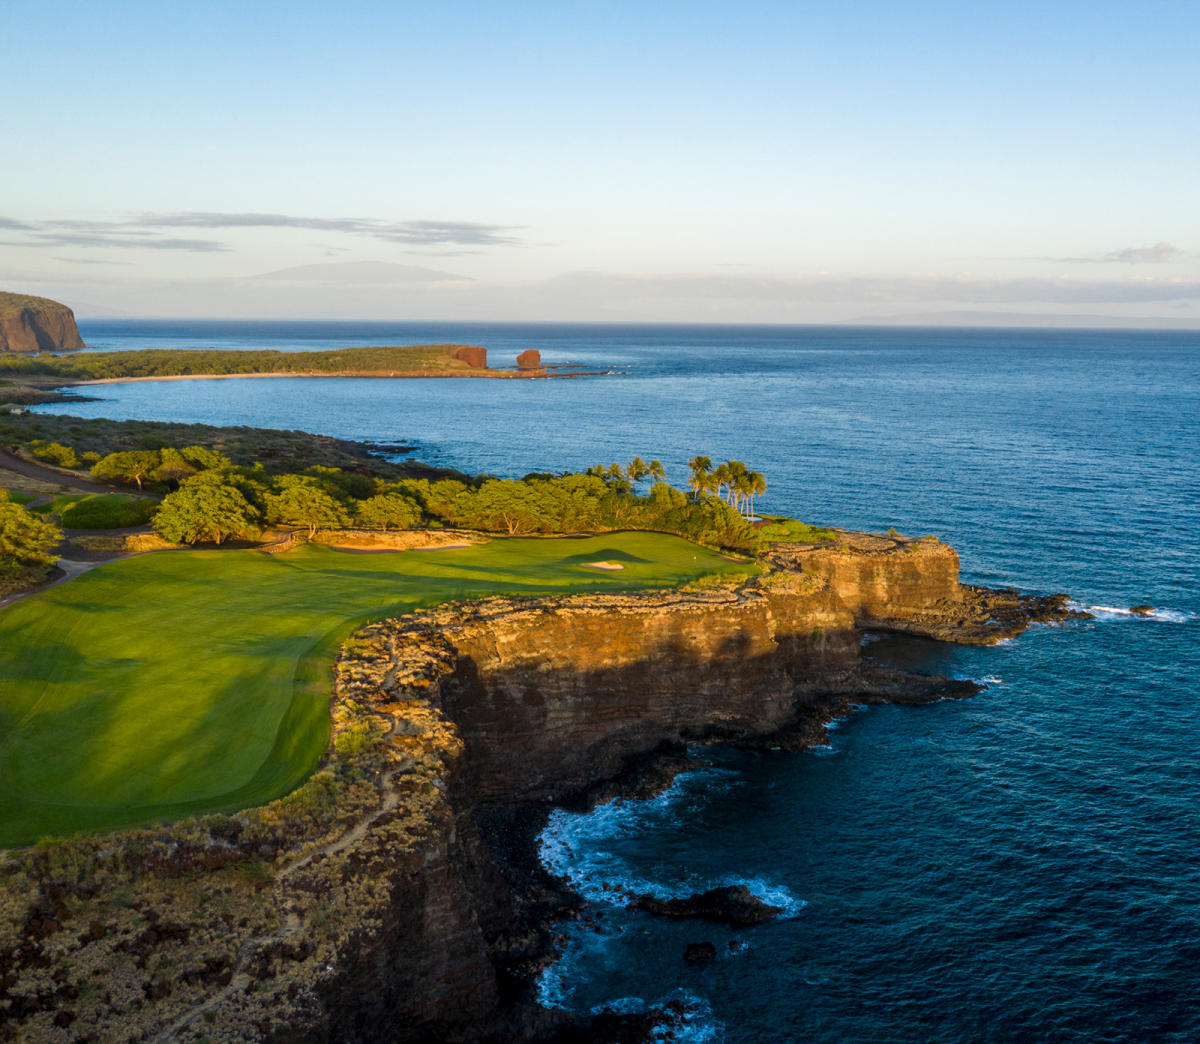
(762, 162)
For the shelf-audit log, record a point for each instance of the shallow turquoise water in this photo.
(1024, 865)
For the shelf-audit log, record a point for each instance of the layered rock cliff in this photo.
(395, 897)
(36, 324)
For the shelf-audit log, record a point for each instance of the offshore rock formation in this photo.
(530, 359)
(36, 324)
(472, 354)
(396, 895)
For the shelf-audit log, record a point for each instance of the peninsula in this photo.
(36, 324)
(395, 894)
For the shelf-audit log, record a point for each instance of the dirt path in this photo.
(52, 476)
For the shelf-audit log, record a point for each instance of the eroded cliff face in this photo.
(36, 324)
(379, 902)
(551, 697)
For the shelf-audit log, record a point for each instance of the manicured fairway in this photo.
(193, 681)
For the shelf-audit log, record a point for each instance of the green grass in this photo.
(185, 682)
(61, 503)
(98, 510)
(792, 530)
(21, 498)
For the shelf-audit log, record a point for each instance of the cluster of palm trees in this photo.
(629, 475)
(732, 481)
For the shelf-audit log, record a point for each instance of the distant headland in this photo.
(36, 324)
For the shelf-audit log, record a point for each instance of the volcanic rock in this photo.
(734, 905)
(699, 953)
(530, 359)
(36, 324)
(472, 354)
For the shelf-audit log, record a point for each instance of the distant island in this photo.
(427, 360)
(30, 378)
(36, 324)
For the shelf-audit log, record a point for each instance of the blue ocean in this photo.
(1020, 866)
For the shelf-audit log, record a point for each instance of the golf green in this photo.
(184, 682)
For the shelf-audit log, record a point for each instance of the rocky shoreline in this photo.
(397, 896)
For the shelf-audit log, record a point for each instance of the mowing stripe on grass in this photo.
(185, 682)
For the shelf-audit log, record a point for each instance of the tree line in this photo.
(209, 499)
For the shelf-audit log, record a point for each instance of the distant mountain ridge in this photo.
(36, 324)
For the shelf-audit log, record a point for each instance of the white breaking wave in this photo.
(1113, 612)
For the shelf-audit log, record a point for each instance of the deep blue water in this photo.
(1024, 865)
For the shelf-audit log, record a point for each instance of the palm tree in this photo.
(617, 478)
(656, 471)
(735, 480)
(757, 484)
(636, 470)
(699, 483)
(722, 476)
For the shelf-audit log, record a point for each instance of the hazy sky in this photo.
(759, 161)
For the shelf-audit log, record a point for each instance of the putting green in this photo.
(186, 682)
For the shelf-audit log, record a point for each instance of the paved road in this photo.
(11, 462)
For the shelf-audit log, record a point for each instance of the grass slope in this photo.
(185, 682)
(179, 362)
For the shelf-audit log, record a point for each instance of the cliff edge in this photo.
(396, 895)
(36, 324)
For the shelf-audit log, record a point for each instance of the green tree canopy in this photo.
(25, 539)
(173, 469)
(127, 466)
(302, 500)
(205, 509)
(387, 511)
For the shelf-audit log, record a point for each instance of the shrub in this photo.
(105, 511)
(25, 539)
(791, 530)
(54, 453)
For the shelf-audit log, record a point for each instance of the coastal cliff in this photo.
(36, 324)
(395, 896)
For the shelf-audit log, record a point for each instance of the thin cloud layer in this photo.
(1153, 255)
(144, 231)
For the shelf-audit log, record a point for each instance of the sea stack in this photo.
(530, 359)
(36, 324)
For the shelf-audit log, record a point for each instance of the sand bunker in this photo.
(602, 565)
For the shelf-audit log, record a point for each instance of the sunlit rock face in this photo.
(36, 324)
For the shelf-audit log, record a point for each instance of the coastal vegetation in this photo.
(26, 541)
(98, 510)
(278, 451)
(104, 724)
(430, 359)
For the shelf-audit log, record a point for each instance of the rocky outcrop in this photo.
(36, 324)
(471, 354)
(895, 583)
(734, 905)
(395, 896)
(530, 359)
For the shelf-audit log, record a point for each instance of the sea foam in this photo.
(1113, 612)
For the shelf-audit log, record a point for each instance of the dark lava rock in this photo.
(1142, 610)
(733, 904)
(530, 359)
(699, 953)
